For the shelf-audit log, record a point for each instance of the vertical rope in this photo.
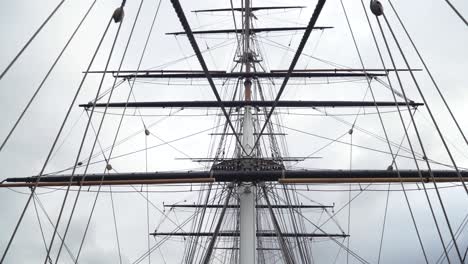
(36, 199)
(117, 16)
(349, 192)
(148, 241)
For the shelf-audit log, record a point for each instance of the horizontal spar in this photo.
(223, 75)
(330, 70)
(238, 104)
(106, 182)
(259, 234)
(261, 206)
(254, 8)
(348, 70)
(252, 30)
(286, 177)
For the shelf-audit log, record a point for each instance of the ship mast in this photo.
(247, 190)
(250, 167)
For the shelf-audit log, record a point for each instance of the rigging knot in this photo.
(376, 7)
(118, 14)
(108, 167)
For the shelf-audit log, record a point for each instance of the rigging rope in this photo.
(117, 17)
(388, 198)
(25, 109)
(355, 145)
(383, 224)
(349, 192)
(355, 255)
(385, 133)
(36, 198)
(425, 103)
(108, 167)
(40, 228)
(457, 12)
(53, 146)
(406, 132)
(79, 153)
(30, 40)
(115, 224)
(417, 133)
(415, 127)
(419, 139)
(294, 61)
(457, 234)
(148, 241)
(428, 71)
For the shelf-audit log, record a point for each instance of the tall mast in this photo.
(247, 190)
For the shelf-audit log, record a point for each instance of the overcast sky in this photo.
(441, 37)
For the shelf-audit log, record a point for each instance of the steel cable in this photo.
(31, 39)
(404, 127)
(418, 136)
(386, 136)
(53, 146)
(25, 109)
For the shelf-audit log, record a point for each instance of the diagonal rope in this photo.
(417, 132)
(148, 241)
(40, 228)
(426, 104)
(429, 72)
(25, 109)
(100, 127)
(115, 224)
(118, 129)
(114, 17)
(294, 61)
(386, 136)
(459, 231)
(183, 20)
(53, 146)
(457, 12)
(388, 197)
(41, 206)
(384, 223)
(78, 157)
(31, 39)
(318, 227)
(406, 133)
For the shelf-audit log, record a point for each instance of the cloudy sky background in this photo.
(440, 35)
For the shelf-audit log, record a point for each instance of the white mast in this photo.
(247, 190)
